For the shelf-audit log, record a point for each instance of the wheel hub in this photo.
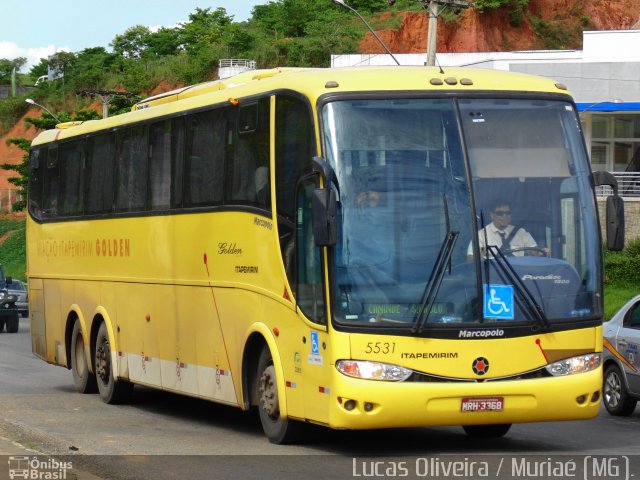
(102, 361)
(269, 392)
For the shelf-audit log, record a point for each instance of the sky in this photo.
(36, 29)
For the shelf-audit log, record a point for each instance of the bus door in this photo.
(310, 295)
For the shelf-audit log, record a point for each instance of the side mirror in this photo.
(325, 229)
(614, 211)
(615, 223)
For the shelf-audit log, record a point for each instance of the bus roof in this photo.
(312, 82)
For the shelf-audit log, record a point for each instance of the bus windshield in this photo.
(421, 183)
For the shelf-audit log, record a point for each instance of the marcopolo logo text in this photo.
(495, 332)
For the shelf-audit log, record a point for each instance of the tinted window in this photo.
(36, 170)
(294, 149)
(51, 184)
(132, 165)
(160, 165)
(248, 173)
(100, 173)
(71, 167)
(204, 158)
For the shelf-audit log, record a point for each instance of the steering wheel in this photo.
(529, 251)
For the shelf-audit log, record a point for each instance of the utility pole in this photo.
(105, 96)
(434, 9)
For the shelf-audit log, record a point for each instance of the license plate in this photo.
(482, 404)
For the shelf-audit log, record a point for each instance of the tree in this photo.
(90, 68)
(7, 66)
(482, 5)
(369, 5)
(60, 62)
(22, 180)
(40, 69)
(165, 42)
(132, 43)
(204, 28)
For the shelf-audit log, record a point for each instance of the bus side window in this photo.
(51, 185)
(204, 158)
(100, 171)
(132, 167)
(71, 164)
(160, 165)
(247, 181)
(36, 170)
(294, 150)
(310, 294)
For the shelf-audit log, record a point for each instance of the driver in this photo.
(505, 236)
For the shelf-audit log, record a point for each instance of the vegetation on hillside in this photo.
(12, 247)
(621, 276)
(281, 32)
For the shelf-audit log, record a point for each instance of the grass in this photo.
(616, 295)
(12, 249)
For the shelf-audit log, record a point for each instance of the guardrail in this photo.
(628, 185)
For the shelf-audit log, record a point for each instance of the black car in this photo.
(9, 315)
(19, 289)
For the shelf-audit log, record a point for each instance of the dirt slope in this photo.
(492, 32)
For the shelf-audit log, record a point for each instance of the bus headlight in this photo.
(579, 364)
(373, 370)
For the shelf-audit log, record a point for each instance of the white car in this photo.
(621, 354)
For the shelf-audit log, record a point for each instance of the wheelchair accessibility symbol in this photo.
(498, 302)
(315, 347)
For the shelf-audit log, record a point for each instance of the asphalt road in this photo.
(166, 436)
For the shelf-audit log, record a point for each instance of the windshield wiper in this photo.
(524, 294)
(437, 274)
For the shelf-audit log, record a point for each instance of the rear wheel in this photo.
(111, 390)
(487, 431)
(13, 324)
(277, 429)
(616, 397)
(83, 379)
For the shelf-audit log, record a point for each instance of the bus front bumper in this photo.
(364, 404)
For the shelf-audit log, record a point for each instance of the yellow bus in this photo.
(316, 244)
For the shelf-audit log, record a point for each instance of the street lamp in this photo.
(30, 101)
(341, 2)
(615, 101)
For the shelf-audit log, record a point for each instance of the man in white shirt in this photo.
(505, 236)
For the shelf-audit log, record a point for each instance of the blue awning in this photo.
(608, 106)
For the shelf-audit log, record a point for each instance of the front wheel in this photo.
(487, 431)
(111, 390)
(13, 324)
(277, 429)
(616, 397)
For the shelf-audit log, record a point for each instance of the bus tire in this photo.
(1, 326)
(83, 379)
(13, 324)
(278, 430)
(615, 395)
(487, 431)
(111, 391)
